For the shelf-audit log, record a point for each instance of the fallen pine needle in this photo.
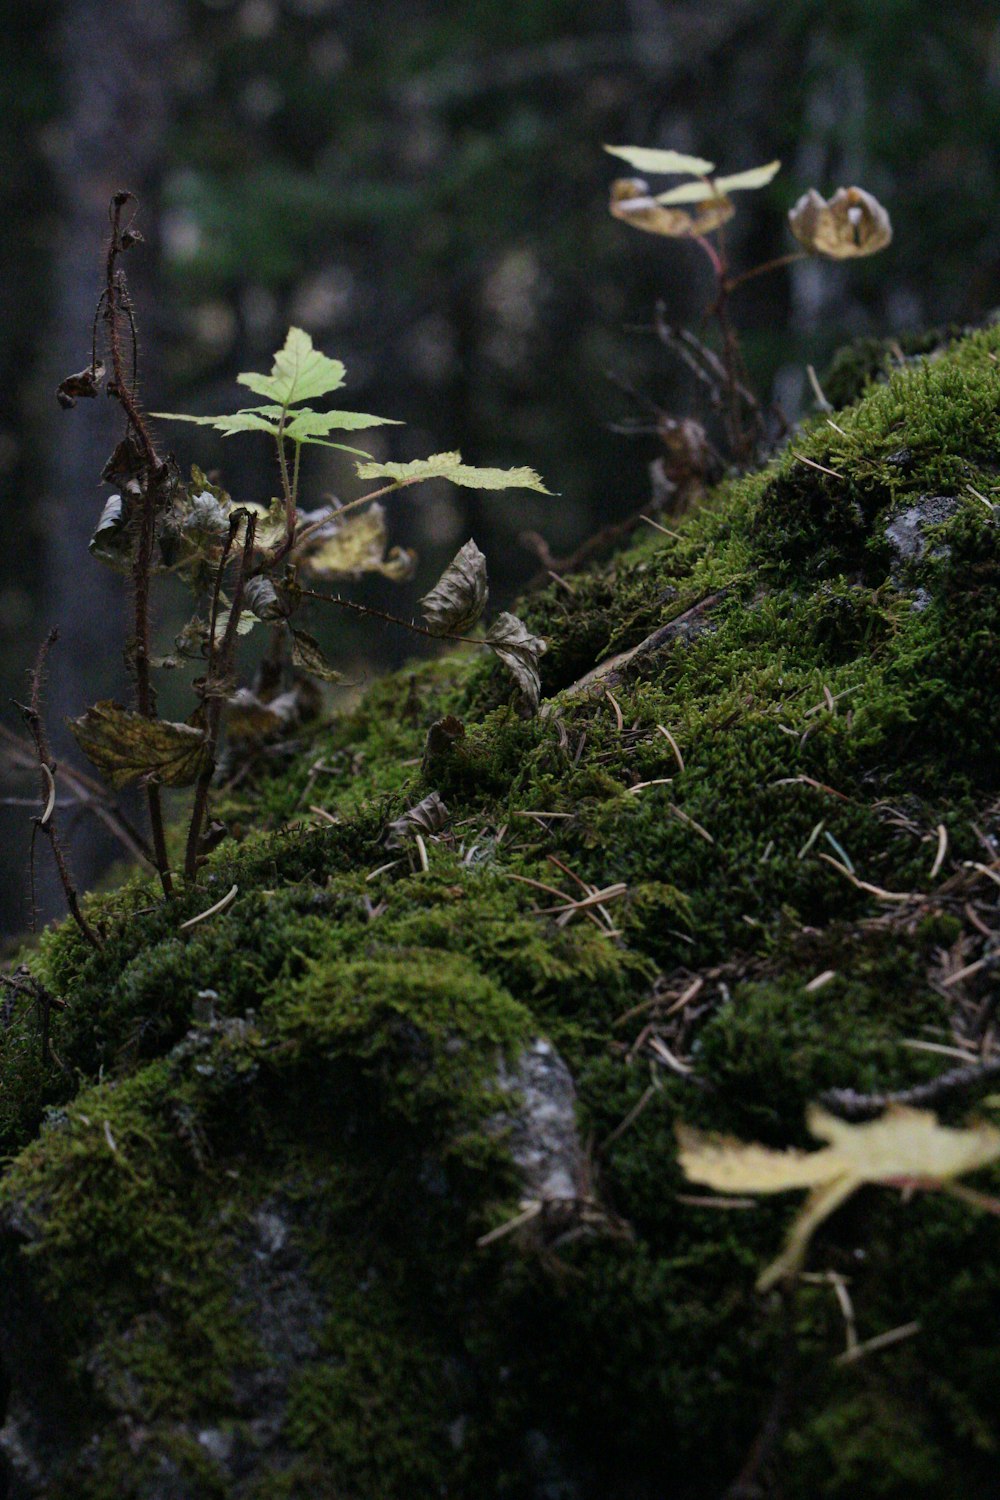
(619, 717)
(663, 1052)
(864, 885)
(942, 849)
(321, 812)
(880, 1341)
(684, 817)
(665, 529)
(970, 969)
(821, 467)
(672, 743)
(941, 1048)
(820, 786)
(631, 1117)
(422, 852)
(212, 911)
(820, 981)
(532, 1211)
(696, 1201)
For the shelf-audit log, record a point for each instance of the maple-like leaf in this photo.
(450, 466)
(299, 373)
(903, 1147)
(125, 746)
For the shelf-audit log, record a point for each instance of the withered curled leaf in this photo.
(428, 816)
(459, 597)
(519, 650)
(251, 720)
(110, 542)
(354, 544)
(852, 223)
(262, 598)
(125, 747)
(126, 462)
(633, 203)
(204, 515)
(442, 737)
(85, 382)
(308, 656)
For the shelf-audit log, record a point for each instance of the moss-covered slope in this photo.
(246, 1183)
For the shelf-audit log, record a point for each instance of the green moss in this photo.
(833, 706)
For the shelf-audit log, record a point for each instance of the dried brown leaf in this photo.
(852, 223)
(127, 747)
(459, 597)
(519, 650)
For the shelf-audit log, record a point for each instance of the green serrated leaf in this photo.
(307, 424)
(239, 421)
(125, 747)
(299, 373)
(646, 159)
(450, 466)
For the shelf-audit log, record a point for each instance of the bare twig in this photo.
(117, 306)
(45, 822)
(850, 1105)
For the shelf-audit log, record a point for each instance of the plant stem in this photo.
(220, 667)
(142, 555)
(765, 268)
(46, 823)
(381, 614)
(286, 487)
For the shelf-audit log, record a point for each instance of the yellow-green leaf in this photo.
(238, 421)
(299, 373)
(904, 1146)
(450, 466)
(697, 192)
(659, 163)
(124, 746)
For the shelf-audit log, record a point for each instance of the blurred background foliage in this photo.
(419, 183)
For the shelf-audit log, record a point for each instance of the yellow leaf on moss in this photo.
(902, 1146)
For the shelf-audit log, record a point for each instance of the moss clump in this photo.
(245, 1188)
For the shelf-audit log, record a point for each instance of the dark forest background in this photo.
(420, 185)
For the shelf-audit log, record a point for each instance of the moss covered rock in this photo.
(367, 1185)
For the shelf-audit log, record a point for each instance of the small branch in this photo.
(220, 670)
(764, 269)
(88, 793)
(117, 304)
(381, 614)
(853, 1106)
(45, 824)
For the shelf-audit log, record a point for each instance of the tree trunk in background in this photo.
(114, 60)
